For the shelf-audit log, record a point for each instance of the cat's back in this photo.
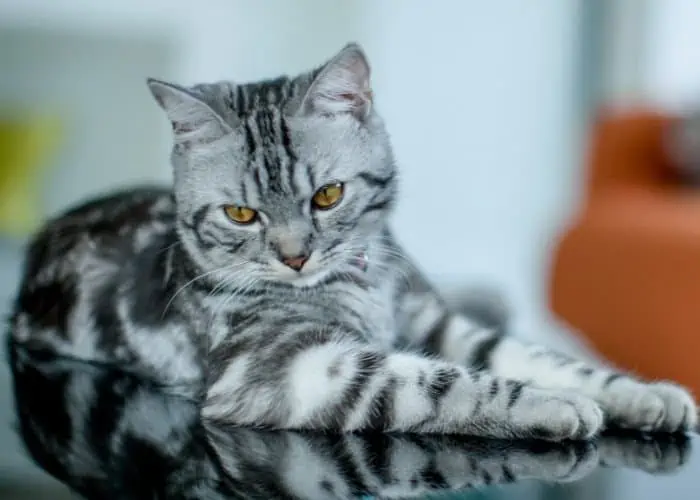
(78, 255)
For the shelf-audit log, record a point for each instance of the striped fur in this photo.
(108, 435)
(168, 287)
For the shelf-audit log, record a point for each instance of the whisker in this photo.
(196, 278)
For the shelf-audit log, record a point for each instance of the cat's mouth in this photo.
(315, 270)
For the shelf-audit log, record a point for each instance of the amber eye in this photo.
(241, 215)
(328, 196)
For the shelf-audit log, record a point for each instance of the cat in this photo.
(92, 428)
(269, 278)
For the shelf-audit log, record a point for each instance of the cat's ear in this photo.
(341, 86)
(192, 120)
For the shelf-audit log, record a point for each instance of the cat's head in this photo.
(281, 180)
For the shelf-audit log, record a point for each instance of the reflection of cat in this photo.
(108, 435)
(271, 271)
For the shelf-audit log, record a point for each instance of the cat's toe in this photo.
(629, 404)
(681, 414)
(564, 417)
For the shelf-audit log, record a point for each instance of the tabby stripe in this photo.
(480, 358)
(211, 239)
(249, 138)
(476, 411)
(367, 367)
(375, 181)
(380, 205)
(221, 357)
(269, 160)
(610, 379)
(436, 335)
(312, 184)
(442, 381)
(493, 389)
(381, 411)
(516, 390)
(287, 139)
(234, 247)
(273, 364)
(195, 226)
(240, 98)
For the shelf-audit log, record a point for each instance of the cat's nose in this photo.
(295, 263)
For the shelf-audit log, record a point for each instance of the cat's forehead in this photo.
(277, 144)
(243, 99)
(251, 98)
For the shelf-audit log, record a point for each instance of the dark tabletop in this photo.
(108, 435)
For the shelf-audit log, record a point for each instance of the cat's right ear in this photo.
(192, 120)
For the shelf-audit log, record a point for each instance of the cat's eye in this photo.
(240, 215)
(328, 196)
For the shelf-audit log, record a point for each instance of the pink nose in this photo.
(295, 263)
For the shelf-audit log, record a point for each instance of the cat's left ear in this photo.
(341, 86)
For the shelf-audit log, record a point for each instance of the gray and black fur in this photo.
(163, 283)
(109, 435)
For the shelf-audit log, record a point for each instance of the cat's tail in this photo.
(485, 304)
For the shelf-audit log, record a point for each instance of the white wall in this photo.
(218, 38)
(479, 97)
(652, 53)
(672, 65)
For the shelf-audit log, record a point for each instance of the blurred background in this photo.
(492, 106)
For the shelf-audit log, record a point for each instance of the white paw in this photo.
(681, 411)
(629, 404)
(659, 407)
(557, 416)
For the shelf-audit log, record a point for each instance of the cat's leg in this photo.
(626, 401)
(320, 380)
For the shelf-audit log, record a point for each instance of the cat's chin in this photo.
(312, 275)
(316, 271)
(304, 279)
(308, 280)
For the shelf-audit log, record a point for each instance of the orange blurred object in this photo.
(626, 272)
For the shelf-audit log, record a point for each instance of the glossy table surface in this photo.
(108, 435)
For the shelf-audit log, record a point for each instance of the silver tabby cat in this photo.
(270, 276)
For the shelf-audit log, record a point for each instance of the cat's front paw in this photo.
(558, 416)
(681, 413)
(657, 407)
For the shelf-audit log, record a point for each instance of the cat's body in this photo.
(109, 435)
(272, 278)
